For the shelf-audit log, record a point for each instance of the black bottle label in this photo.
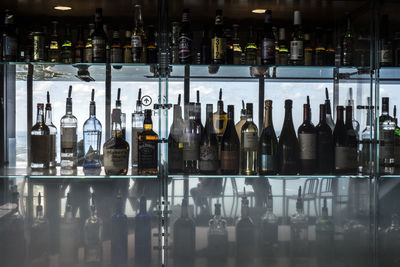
(147, 154)
(99, 49)
(268, 49)
(184, 48)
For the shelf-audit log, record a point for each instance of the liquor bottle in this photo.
(319, 52)
(299, 231)
(324, 143)
(53, 133)
(88, 52)
(93, 236)
(92, 137)
(185, 39)
(123, 115)
(69, 236)
(245, 233)
(217, 241)
(66, 47)
(9, 38)
(242, 121)
(330, 49)
(308, 142)
(175, 141)
(268, 144)
(352, 140)
(40, 141)
(276, 44)
(230, 146)
(79, 46)
(220, 117)
(308, 50)
(116, 149)
(137, 128)
(228, 46)
(209, 163)
(147, 147)
(350, 102)
(119, 235)
(39, 238)
(54, 47)
(68, 134)
(143, 235)
(268, 41)
(174, 42)
(396, 140)
(205, 48)
(283, 48)
(138, 36)
(367, 136)
(184, 238)
(288, 145)
(387, 127)
(191, 141)
(116, 47)
(386, 48)
(151, 48)
(329, 119)
(197, 110)
(99, 39)
(249, 144)
(348, 44)
(251, 48)
(296, 44)
(127, 47)
(237, 48)
(218, 40)
(325, 232)
(268, 238)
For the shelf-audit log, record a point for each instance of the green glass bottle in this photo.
(251, 48)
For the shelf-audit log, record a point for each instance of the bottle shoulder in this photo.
(92, 123)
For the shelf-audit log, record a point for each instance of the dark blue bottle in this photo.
(143, 235)
(119, 235)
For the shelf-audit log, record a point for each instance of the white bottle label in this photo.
(296, 50)
(308, 146)
(250, 140)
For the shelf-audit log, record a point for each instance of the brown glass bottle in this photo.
(230, 146)
(147, 147)
(220, 117)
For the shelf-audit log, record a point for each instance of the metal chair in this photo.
(310, 190)
(325, 190)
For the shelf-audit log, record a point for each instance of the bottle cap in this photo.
(268, 103)
(297, 17)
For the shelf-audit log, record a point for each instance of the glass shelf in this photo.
(389, 75)
(278, 177)
(57, 173)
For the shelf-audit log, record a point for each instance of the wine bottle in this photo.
(296, 45)
(329, 119)
(251, 48)
(209, 163)
(185, 39)
(197, 111)
(220, 117)
(283, 48)
(249, 144)
(268, 145)
(352, 141)
(245, 233)
(230, 146)
(348, 44)
(119, 235)
(191, 141)
(268, 41)
(324, 143)
(184, 238)
(175, 141)
(99, 39)
(242, 121)
(386, 139)
(288, 145)
(143, 235)
(307, 142)
(53, 133)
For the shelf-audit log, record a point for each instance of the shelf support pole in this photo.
(261, 96)
(108, 101)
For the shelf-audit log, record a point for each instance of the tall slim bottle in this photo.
(184, 238)
(191, 141)
(230, 146)
(143, 236)
(386, 139)
(348, 44)
(9, 38)
(40, 141)
(116, 47)
(53, 134)
(218, 40)
(197, 111)
(220, 118)
(251, 48)
(123, 115)
(99, 39)
(79, 46)
(209, 163)
(237, 48)
(249, 144)
(175, 141)
(324, 143)
(138, 36)
(68, 134)
(88, 52)
(307, 142)
(185, 39)
(137, 128)
(350, 102)
(174, 42)
(245, 233)
(268, 41)
(69, 236)
(205, 47)
(92, 137)
(283, 48)
(288, 145)
(127, 47)
(296, 44)
(299, 231)
(93, 232)
(366, 163)
(268, 145)
(147, 147)
(119, 235)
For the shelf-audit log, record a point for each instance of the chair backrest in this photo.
(310, 186)
(326, 185)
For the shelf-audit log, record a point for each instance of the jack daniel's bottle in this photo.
(147, 147)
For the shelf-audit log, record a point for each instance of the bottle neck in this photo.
(349, 116)
(138, 17)
(40, 116)
(184, 211)
(48, 119)
(143, 208)
(268, 117)
(385, 108)
(177, 113)
(92, 109)
(245, 210)
(306, 113)
(116, 129)
(340, 117)
(288, 115)
(185, 17)
(322, 114)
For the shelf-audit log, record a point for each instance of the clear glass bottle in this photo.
(191, 141)
(367, 136)
(67, 51)
(299, 231)
(40, 141)
(249, 144)
(237, 48)
(138, 36)
(93, 233)
(147, 147)
(217, 236)
(268, 238)
(69, 236)
(137, 128)
(53, 133)
(143, 235)
(54, 52)
(329, 119)
(92, 130)
(386, 139)
(220, 118)
(245, 233)
(242, 121)
(251, 48)
(175, 141)
(119, 235)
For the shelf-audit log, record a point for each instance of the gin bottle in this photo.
(53, 134)
(40, 141)
(137, 128)
(93, 232)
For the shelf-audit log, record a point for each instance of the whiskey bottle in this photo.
(296, 45)
(9, 39)
(348, 44)
(66, 47)
(92, 138)
(185, 39)
(127, 47)
(40, 141)
(147, 147)
(249, 144)
(237, 48)
(268, 144)
(175, 141)
(242, 121)
(53, 134)
(209, 163)
(268, 41)
(79, 46)
(151, 48)
(138, 36)
(137, 128)
(93, 236)
(69, 236)
(217, 241)
(119, 235)
(123, 115)
(99, 39)
(174, 42)
(324, 229)
(220, 118)
(116, 47)
(184, 238)
(116, 149)
(283, 48)
(230, 146)
(218, 41)
(245, 233)
(251, 48)
(299, 231)
(68, 134)
(386, 139)
(143, 236)
(88, 51)
(54, 47)
(191, 141)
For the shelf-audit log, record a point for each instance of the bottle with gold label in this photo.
(218, 41)
(40, 141)
(116, 149)
(79, 46)
(249, 144)
(147, 147)
(220, 118)
(127, 47)
(87, 53)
